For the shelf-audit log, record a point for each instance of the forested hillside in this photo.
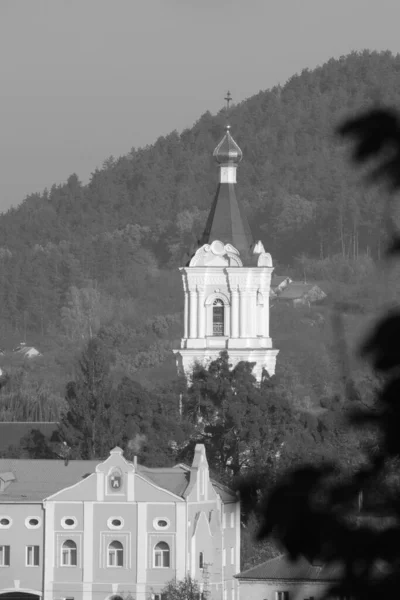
(79, 261)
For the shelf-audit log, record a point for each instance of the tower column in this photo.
(234, 313)
(201, 312)
(266, 314)
(252, 312)
(242, 314)
(193, 313)
(186, 316)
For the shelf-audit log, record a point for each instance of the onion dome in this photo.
(227, 150)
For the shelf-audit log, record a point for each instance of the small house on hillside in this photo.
(301, 294)
(279, 283)
(26, 351)
(283, 579)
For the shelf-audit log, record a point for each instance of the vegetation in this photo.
(89, 275)
(315, 511)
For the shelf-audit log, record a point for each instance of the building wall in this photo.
(193, 525)
(18, 536)
(266, 590)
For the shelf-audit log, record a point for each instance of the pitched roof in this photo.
(283, 568)
(174, 480)
(11, 432)
(228, 223)
(38, 479)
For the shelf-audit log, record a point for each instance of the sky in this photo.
(82, 80)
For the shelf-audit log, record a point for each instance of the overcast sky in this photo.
(85, 79)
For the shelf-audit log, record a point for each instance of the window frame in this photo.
(157, 527)
(219, 304)
(10, 522)
(111, 526)
(64, 524)
(29, 526)
(116, 552)
(5, 554)
(34, 555)
(162, 552)
(70, 550)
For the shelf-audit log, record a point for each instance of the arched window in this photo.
(161, 555)
(115, 554)
(218, 317)
(68, 554)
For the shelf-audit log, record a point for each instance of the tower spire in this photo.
(227, 220)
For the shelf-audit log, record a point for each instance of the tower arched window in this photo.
(218, 317)
(68, 554)
(115, 554)
(161, 555)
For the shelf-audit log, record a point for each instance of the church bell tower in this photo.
(227, 282)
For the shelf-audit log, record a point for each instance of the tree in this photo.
(92, 423)
(240, 423)
(182, 589)
(315, 510)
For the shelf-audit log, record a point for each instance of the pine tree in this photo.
(92, 423)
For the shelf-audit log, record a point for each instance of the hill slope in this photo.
(77, 259)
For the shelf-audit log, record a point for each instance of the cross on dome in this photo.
(228, 152)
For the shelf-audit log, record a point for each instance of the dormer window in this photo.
(218, 318)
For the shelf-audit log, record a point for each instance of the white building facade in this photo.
(227, 283)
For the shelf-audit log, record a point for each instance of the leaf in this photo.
(383, 344)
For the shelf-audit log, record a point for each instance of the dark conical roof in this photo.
(227, 222)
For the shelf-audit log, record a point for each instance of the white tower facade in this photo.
(227, 283)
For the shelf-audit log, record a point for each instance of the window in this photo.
(218, 317)
(201, 560)
(68, 554)
(232, 519)
(32, 522)
(5, 522)
(32, 556)
(224, 557)
(68, 523)
(223, 519)
(232, 556)
(161, 555)
(4, 556)
(161, 523)
(115, 554)
(282, 596)
(115, 523)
